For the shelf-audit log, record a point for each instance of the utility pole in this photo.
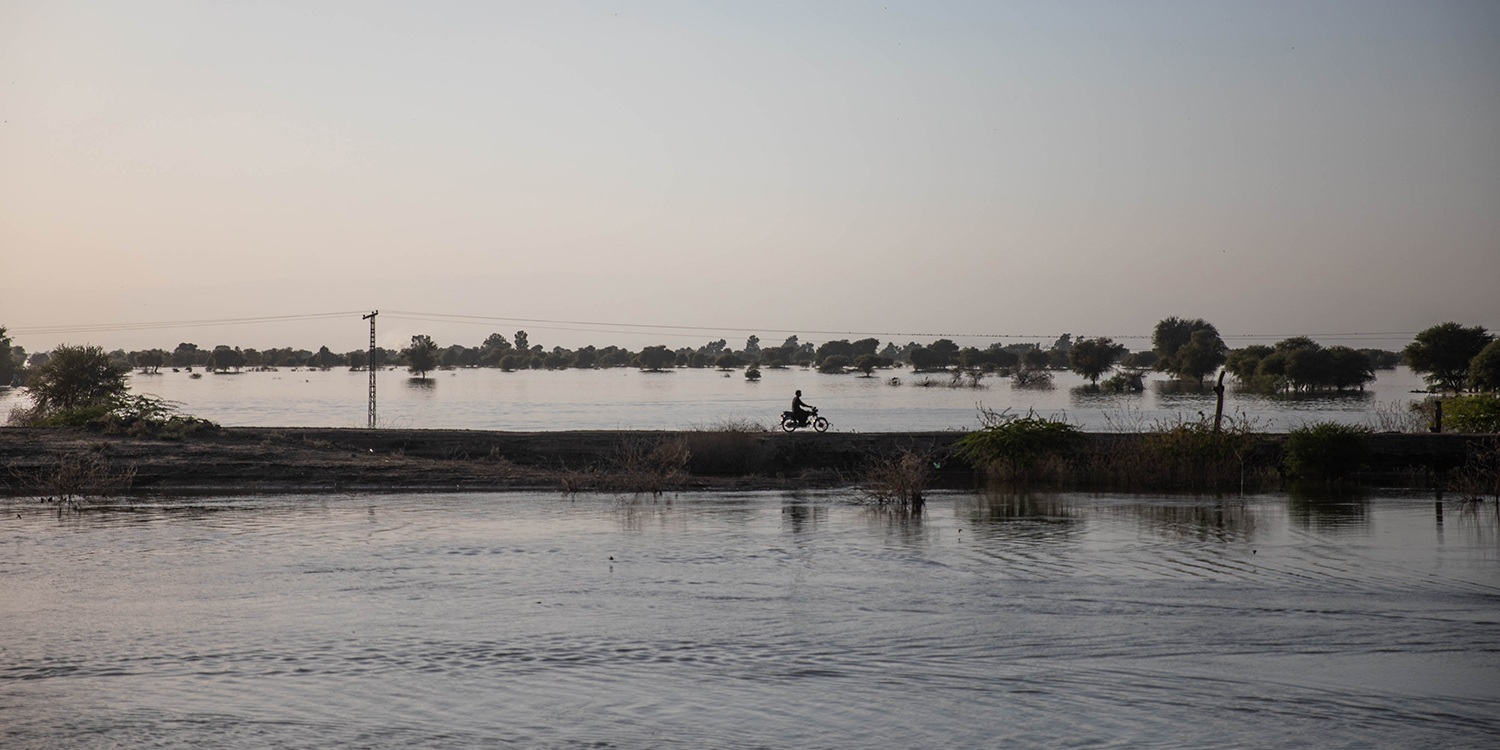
(371, 318)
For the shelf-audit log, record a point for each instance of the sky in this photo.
(993, 171)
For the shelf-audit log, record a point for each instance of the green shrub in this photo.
(1325, 450)
(1013, 445)
(78, 416)
(1472, 413)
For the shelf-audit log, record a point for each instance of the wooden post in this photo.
(1219, 410)
(1437, 417)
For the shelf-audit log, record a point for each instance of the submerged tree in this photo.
(654, 358)
(1188, 348)
(1093, 357)
(7, 363)
(1442, 353)
(421, 356)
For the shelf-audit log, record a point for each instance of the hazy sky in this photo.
(981, 168)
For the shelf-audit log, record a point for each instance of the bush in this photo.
(1472, 414)
(1012, 446)
(75, 377)
(1325, 450)
(1124, 382)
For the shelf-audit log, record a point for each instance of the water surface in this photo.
(623, 398)
(762, 620)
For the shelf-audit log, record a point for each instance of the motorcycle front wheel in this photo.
(820, 424)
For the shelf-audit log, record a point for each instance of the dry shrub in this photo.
(733, 424)
(646, 465)
(1480, 476)
(74, 477)
(1182, 454)
(1040, 379)
(577, 480)
(1400, 416)
(900, 478)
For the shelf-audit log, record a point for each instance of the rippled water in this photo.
(683, 399)
(764, 620)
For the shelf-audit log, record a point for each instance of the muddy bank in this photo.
(250, 459)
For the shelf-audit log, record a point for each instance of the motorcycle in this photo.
(789, 421)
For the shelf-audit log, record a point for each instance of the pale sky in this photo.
(982, 168)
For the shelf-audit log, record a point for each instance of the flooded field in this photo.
(486, 399)
(761, 620)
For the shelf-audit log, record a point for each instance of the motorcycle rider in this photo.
(800, 409)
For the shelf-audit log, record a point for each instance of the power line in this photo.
(641, 329)
(651, 328)
(169, 324)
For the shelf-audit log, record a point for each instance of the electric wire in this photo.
(631, 328)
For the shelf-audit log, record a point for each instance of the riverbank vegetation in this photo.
(80, 386)
(1450, 356)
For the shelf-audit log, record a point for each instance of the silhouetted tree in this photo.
(835, 363)
(655, 357)
(585, 358)
(1442, 353)
(7, 360)
(421, 356)
(866, 363)
(945, 349)
(1484, 369)
(1242, 363)
(494, 347)
(323, 359)
(1142, 360)
(923, 358)
(188, 355)
(150, 360)
(225, 357)
(1350, 368)
(1093, 357)
(1188, 348)
(727, 361)
(523, 343)
(1035, 359)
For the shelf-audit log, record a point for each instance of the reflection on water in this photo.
(758, 620)
(1217, 520)
(1318, 506)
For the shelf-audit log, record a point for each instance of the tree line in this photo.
(1450, 355)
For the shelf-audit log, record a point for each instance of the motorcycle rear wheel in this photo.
(787, 424)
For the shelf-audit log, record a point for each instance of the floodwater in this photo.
(625, 398)
(763, 620)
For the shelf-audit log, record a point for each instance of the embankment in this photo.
(259, 459)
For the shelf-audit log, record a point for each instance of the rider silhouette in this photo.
(800, 409)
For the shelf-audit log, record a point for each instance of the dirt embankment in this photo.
(261, 459)
(258, 459)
